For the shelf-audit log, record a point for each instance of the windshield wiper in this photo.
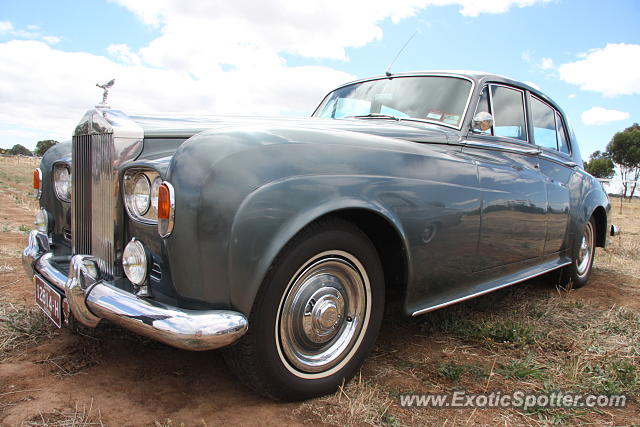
(374, 116)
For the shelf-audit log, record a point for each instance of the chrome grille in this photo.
(94, 199)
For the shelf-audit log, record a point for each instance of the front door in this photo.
(514, 201)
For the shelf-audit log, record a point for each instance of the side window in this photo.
(483, 106)
(563, 142)
(508, 113)
(543, 118)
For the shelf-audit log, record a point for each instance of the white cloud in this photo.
(547, 64)
(476, 7)
(311, 28)
(210, 57)
(611, 71)
(526, 56)
(572, 95)
(30, 33)
(601, 116)
(533, 85)
(5, 27)
(52, 39)
(42, 88)
(122, 53)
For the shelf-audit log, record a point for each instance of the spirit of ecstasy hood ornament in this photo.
(105, 87)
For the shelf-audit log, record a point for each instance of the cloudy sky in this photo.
(281, 56)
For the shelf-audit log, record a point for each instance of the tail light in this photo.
(166, 209)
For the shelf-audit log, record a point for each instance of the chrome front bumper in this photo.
(91, 300)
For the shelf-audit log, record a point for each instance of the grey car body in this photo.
(452, 213)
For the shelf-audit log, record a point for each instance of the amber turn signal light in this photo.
(164, 202)
(166, 209)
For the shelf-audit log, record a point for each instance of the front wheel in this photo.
(316, 316)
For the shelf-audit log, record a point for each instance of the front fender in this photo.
(275, 213)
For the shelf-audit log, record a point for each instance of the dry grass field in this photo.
(532, 337)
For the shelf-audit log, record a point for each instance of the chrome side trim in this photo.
(494, 146)
(91, 300)
(486, 291)
(567, 163)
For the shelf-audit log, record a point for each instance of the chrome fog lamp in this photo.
(42, 221)
(62, 182)
(135, 262)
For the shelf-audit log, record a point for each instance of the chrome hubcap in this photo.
(585, 253)
(322, 314)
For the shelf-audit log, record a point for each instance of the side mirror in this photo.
(482, 122)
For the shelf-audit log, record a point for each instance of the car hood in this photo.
(185, 127)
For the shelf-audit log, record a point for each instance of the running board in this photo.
(494, 285)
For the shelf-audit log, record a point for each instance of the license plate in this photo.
(49, 300)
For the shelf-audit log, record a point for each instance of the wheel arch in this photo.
(380, 226)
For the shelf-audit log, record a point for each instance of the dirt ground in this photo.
(531, 336)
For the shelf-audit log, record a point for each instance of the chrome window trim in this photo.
(463, 116)
(132, 172)
(556, 115)
(555, 112)
(471, 130)
(68, 166)
(524, 110)
(500, 147)
(565, 131)
(568, 163)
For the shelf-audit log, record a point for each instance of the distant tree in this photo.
(600, 165)
(20, 150)
(3, 151)
(625, 153)
(43, 146)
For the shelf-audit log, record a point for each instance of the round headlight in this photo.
(140, 195)
(155, 187)
(62, 182)
(134, 262)
(42, 221)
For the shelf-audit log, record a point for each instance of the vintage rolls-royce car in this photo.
(278, 238)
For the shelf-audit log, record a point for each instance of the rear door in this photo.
(514, 201)
(557, 168)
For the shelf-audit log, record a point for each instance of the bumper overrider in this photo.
(90, 300)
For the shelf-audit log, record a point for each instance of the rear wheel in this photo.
(316, 316)
(583, 253)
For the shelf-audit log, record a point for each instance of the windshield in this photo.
(435, 99)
